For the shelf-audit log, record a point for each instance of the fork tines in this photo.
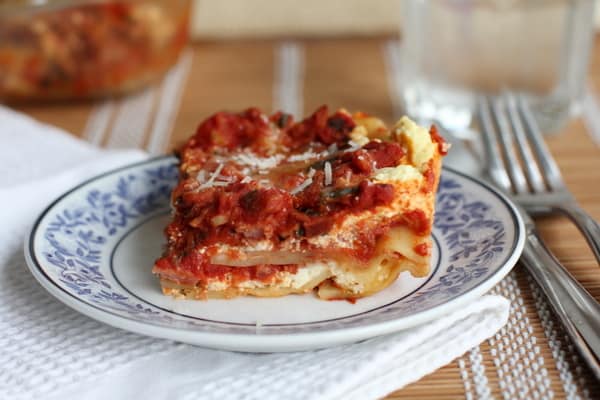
(518, 159)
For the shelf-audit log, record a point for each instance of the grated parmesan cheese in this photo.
(252, 160)
(201, 177)
(311, 173)
(328, 173)
(353, 146)
(303, 156)
(224, 178)
(302, 186)
(246, 179)
(332, 149)
(210, 181)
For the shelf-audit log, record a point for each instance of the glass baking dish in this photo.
(85, 49)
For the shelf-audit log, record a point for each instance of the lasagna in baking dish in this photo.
(337, 203)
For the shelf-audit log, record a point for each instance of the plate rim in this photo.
(275, 342)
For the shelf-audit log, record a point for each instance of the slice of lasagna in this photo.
(267, 207)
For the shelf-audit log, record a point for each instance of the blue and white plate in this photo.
(94, 249)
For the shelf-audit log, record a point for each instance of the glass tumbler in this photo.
(454, 50)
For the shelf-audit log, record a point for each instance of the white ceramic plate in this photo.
(94, 248)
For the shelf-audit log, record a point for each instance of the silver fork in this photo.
(578, 311)
(540, 188)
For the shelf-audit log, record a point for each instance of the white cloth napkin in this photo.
(49, 351)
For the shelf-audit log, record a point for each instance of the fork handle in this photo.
(578, 311)
(586, 224)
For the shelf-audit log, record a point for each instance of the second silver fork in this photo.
(538, 186)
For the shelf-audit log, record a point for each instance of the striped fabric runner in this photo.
(144, 119)
(288, 79)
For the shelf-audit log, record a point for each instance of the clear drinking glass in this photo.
(453, 50)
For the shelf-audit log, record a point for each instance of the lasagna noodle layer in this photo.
(333, 280)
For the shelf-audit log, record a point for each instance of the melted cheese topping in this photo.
(360, 135)
(401, 173)
(375, 127)
(417, 141)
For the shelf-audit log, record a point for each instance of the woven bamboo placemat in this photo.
(530, 357)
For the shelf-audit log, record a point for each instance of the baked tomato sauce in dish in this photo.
(85, 49)
(337, 203)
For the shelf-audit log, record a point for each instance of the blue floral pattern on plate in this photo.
(476, 228)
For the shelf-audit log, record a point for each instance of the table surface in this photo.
(530, 357)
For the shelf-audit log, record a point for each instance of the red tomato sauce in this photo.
(443, 146)
(245, 211)
(202, 270)
(422, 249)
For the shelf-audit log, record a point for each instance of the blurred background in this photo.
(267, 18)
(434, 58)
(316, 18)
